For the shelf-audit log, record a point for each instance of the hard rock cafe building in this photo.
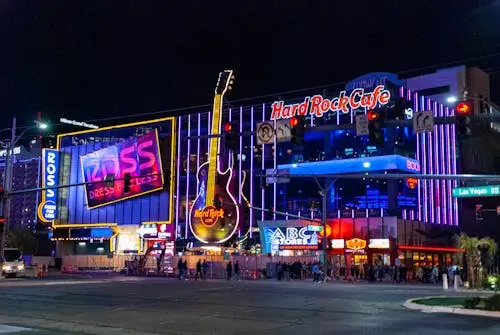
(368, 220)
(389, 221)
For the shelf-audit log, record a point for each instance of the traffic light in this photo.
(298, 130)
(479, 212)
(375, 121)
(463, 111)
(231, 137)
(127, 182)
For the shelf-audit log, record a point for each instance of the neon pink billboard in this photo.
(138, 158)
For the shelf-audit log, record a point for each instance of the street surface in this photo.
(168, 306)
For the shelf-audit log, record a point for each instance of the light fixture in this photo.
(451, 99)
(366, 165)
(294, 165)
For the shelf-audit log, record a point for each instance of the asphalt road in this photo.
(166, 306)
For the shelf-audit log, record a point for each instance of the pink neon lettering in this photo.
(277, 109)
(355, 103)
(146, 154)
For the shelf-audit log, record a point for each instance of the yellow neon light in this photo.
(112, 241)
(173, 150)
(156, 222)
(214, 149)
(85, 225)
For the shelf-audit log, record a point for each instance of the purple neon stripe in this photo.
(449, 159)
(454, 171)
(198, 144)
(442, 159)
(251, 172)
(425, 166)
(187, 175)
(412, 215)
(177, 197)
(274, 167)
(437, 195)
(230, 161)
(240, 167)
(413, 97)
(263, 193)
(431, 168)
(404, 214)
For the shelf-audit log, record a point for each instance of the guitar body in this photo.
(207, 222)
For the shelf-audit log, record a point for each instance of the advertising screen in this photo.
(136, 158)
(143, 152)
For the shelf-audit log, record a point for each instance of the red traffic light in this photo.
(372, 115)
(228, 127)
(463, 108)
(2, 219)
(294, 121)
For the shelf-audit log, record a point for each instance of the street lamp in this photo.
(7, 177)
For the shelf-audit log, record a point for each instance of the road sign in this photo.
(362, 125)
(283, 131)
(477, 191)
(265, 133)
(423, 122)
(281, 176)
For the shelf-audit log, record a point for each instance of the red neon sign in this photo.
(318, 105)
(463, 108)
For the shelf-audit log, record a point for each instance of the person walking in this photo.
(204, 266)
(229, 270)
(198, 270)
(315, 272)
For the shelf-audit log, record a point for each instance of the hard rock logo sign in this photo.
(209, 215)
(318, 105)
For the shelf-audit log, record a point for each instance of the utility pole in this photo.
(5, 201)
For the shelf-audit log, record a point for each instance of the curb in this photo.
(452, 310)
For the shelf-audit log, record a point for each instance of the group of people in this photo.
(183, 272)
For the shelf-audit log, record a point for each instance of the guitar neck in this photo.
(214, 149)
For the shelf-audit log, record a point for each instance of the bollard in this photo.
(445, 281)
(455, 282)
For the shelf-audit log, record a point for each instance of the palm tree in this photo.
(472, 247)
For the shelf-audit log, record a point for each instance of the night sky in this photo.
(92, 59)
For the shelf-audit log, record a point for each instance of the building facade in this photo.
(412, 218)
(26, 175)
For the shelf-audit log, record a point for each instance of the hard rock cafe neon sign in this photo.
(209, 215)
(318, 105)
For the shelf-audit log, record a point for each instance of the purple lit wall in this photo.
(436, 152)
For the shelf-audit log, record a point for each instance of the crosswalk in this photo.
(5, 329)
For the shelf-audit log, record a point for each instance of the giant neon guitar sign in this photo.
(215, 214)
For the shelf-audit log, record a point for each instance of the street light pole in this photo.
(7, 181)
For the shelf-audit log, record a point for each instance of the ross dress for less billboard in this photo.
(137, 157)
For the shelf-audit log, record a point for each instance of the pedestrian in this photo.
(186, 270)
(205, 269)
(229, 270)
(315, 272)
(237, 271)
(286, 271)
(180, 266)
(279, 270)
(198, 270)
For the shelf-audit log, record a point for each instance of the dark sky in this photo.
(92, 59)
